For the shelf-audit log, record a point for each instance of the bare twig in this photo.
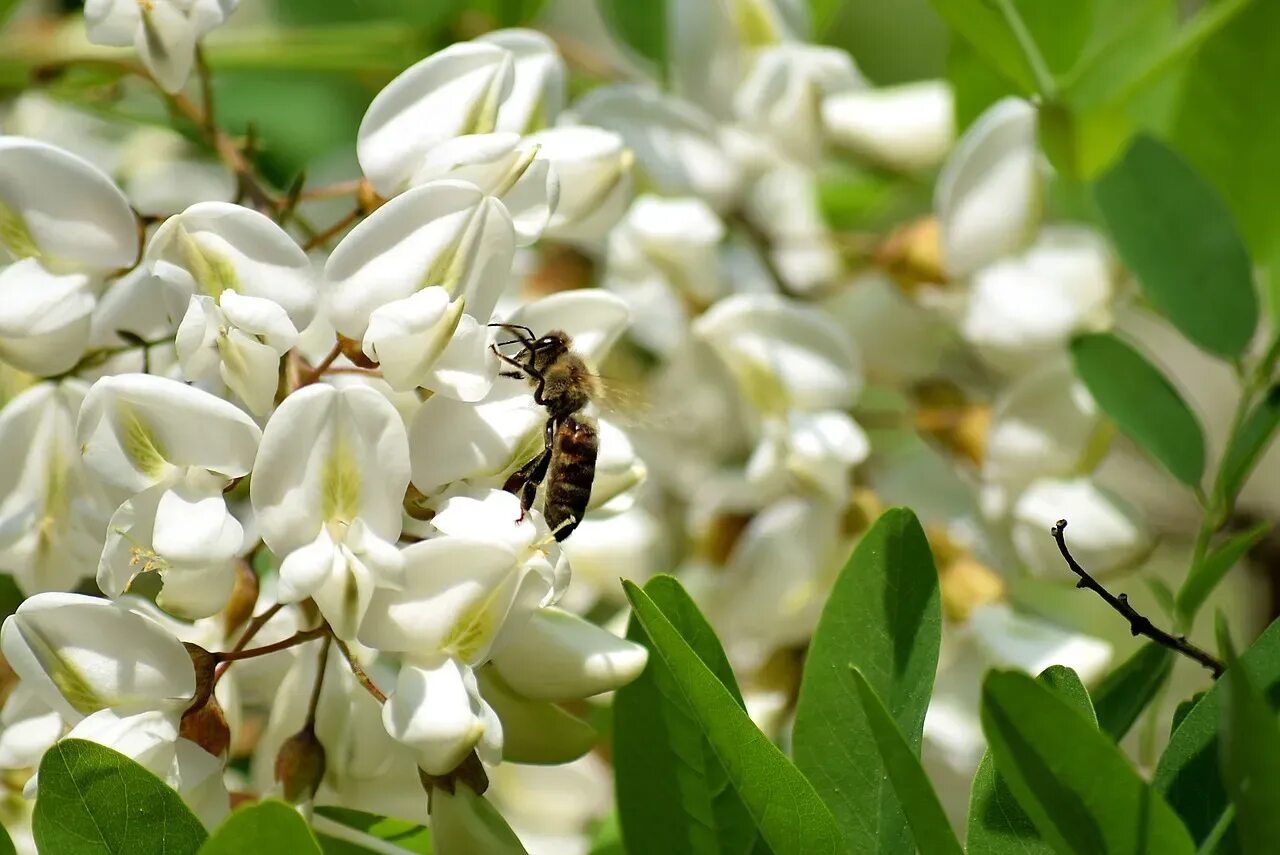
(322, 238)
(314, 703)
(245, 637)
(362, 677)
(1138, 624)
(333, 191)
(311, 375)
(299, 637)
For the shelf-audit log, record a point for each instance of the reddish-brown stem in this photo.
(333, 191)
(319, 684)
(311, 375)
(362, 677)
(250, 631)
(323, 238)
(299, 637)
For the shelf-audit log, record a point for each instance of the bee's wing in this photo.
(625, 403)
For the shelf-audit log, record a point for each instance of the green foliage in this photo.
(1188, 771)
(1206, 574)
(884, 617)
(791, 817)
(642, 27)
(96, 801)
(268, 826)
(1142, 403)
(1227, 124)
(1250, 756)
(673, 795)
(1130, 687)
(929, 826)
(997, 824)
(6, 843)
(1176, 235)
(1071, 780)
(405, 835)
(1247, 444)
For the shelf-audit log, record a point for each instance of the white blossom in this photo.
(164, 32)
(909, 126)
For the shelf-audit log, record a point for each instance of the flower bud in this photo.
(205, 665)
(244, 596)
(300, 766)
(207, 727)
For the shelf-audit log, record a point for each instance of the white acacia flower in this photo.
(783, 204)
(594, 166)
(63, 225)
(784, 355)
(816, 451)
(1107, 533)
(539, 78)
(52, 515)
(676, 145)
(463, 822)
(630, 544)
(213, 248)
(164, 32)
(235, 342)
(480, 444)
(781, 98)
(327, 490)
(417, 280)
(910, 126)
(28, 728)
(676, 240)
(987, 197)
(1022, 308)
(454, 92)
(173, 449)
(504, 166)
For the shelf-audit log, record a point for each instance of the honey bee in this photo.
(564, 385)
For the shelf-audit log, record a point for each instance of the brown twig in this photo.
(333, 191)
(1138, 623)
(300, 637)
(250, 631)
(362, 677)
(322, 238)
(319, 684)
(311, 375)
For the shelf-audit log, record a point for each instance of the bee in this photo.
(564, 385)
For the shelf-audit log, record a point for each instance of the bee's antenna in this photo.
(514, 327)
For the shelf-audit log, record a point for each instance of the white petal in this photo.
(306, 568)
(594, 170)
(558, 656)
(197, 593)
(30, 728)
(407, 336)
(81, 654)
(147, 738)
(453, 92)
(465, 369)
(1106, 531)
(432, 713)
(128, 532)
(330, 456)
(343, 597)
(250, 369)
(1032, 645)
(593, 319)
(45, 318)
(71, 211)
(166, 42)
(538, 89)
(674, 142)
(193, 525)
(452, 441)
(444, 233)
(909, 126)
(260, 316)
(987, 197)
(134, 427)
(783, 353)
(213, 247)
(534, 731)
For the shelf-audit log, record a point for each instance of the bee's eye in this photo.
(546, 341)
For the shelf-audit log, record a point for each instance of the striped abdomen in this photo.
(573, 467)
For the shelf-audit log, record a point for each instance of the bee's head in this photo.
(541, 350)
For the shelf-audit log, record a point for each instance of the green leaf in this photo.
(1188, 771)
(1071, 780)
(94, 800)
(6, 843)
(981, 25)
(1174, 232)
(1142, 403)
(1250, 758)
(997, 824)
(6, 9)
(1227, 124)
(641, 27)
(673, 794)
(884, 617)
(1243, 450)
(268, 826)
(1127, 690)
(1206, 575)
(786, 809)
(340, 831)
(929, 824)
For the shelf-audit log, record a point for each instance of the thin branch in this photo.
(322, 238)
(319, 684)
(300, 637)
(333, 191)
(245, 637)
(1138, 624)
(362, 677)
(206, 90)
(311, 375)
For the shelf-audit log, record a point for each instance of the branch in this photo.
(299, 637)
(362, 677)
(1138, 624)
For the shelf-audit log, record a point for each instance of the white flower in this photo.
(51, 514)
(164, 32)
(1106, 532)
(909, 126)
(553, 808)
(28, 727)
(782, 96)
(452, 93)
(434, 261)
(1022, 307)
(594, 167)
(538, 88)
(676, 144)
(783, 203)
(784, 355)
(987, 197)
(327, 490)
(161, 172)
(173, 449)
(629, 544)
(503, 166)
(996, 637)
(815, 450)
(213, 248)
(236, 342)
(674, 239)
(463, 822)
(63, 225)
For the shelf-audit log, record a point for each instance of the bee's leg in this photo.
(514, 375)
(524, 481)
(525, 371)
